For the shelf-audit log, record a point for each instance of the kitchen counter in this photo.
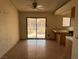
(69, 38)
(60, 36)
(60, 31)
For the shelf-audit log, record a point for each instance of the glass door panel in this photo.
(41, 24)
(31, 27)
(36, 27)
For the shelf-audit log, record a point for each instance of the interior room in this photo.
(38, 29)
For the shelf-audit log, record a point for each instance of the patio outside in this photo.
(36, 27)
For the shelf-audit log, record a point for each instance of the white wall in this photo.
(9, 29)
(52, 21)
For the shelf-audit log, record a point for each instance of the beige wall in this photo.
(65, 11)
(52, 21)
(75, 41)
(9, 32)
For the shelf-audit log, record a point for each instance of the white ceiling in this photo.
(48, 5)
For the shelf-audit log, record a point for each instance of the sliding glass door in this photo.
(31, 27)
(41, 26)
(36, 27)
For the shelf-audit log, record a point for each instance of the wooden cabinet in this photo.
(68, 47)
(57, 38)
(60, 37)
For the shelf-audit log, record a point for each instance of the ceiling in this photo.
(65, 10)
(47, 5)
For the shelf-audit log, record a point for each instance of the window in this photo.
(66, 21)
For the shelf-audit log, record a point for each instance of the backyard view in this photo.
(36, 27)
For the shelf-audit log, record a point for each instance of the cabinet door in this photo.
(62, 39)
(58, 38)
(68, 48)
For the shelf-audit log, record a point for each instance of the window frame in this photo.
(69, 22)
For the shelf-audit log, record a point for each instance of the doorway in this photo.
(36, 27)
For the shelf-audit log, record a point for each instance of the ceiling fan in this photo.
(35, 5)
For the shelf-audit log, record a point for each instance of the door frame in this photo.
(36, 29)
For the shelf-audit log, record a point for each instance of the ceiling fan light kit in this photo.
(34, 4)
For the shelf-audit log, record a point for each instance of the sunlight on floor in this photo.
(41, 42)
(36, 46)
(36, 42)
